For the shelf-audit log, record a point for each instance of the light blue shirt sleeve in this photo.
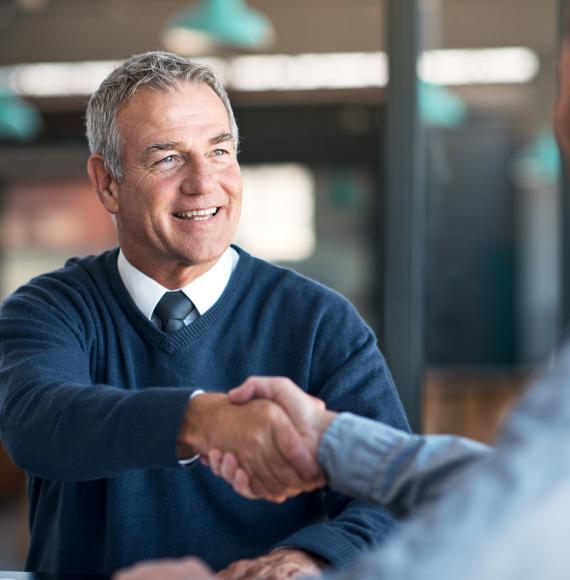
(369, 460)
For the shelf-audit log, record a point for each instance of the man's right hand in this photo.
(307, 413)
(260, 436)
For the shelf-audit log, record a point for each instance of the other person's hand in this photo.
(182, 569)
(276, 565)
(308, 414)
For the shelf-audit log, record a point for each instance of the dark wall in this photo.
(471, 301)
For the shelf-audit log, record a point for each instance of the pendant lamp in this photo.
(200, 28)
(18, 119)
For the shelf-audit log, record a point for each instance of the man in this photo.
(102, 363)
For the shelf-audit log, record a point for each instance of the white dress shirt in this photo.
(204, 291)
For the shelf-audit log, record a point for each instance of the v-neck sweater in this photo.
(92, 397)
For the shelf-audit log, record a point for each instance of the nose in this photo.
(198, 179)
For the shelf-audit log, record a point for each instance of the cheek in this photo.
(234, 186)
(150, 199)
(142, 213)
(230, 179)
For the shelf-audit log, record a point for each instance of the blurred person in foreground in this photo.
(474, 513)
(114, 370)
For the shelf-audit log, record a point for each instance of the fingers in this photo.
(270, 476)
(241, 485)
(214, 460)
(285, 435)
(297, 455)
(273, 470)
(239, 570)
(228, 466)
(278, 565)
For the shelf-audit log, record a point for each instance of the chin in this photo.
(204, 257)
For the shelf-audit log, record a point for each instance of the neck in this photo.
(171, 275)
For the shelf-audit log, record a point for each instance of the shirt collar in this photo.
(204, 291)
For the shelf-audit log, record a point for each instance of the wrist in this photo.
(193, 437)
(324, 420)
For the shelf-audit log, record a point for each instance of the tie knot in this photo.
(172, 309)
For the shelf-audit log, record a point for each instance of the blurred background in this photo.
(431, 201)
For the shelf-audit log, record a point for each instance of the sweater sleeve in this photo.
(375, 462)
(350, 374)
(46, 394)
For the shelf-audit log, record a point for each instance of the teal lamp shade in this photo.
(211, 22)
(18, 120)
(540, 161)
(439, 107)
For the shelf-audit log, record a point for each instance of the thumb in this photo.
(242, 394)
(253, 388)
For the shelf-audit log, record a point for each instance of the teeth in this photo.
(197, 213)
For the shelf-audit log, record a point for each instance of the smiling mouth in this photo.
(197, 214)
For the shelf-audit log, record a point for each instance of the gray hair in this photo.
(156, 69)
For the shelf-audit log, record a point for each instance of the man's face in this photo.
(562, 109)
(179, 203)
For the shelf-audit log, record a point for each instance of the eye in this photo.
(166, 160)
(220, 152)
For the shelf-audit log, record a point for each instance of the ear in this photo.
(106, 186)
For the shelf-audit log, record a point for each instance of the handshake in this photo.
(262, 437)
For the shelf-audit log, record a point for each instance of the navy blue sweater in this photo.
(92, 397)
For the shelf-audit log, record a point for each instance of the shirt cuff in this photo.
(191, 460)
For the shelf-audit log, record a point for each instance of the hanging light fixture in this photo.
(539, 162)
(213, 22)
(18, 119)
(440, 107)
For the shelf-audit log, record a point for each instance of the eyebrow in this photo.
(222, 138)
(167, 145)
(150, 149)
